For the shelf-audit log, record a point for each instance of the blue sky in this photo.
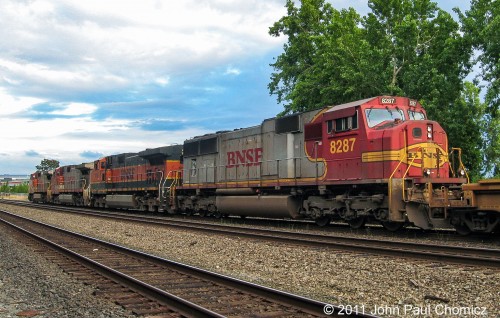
(84, 79)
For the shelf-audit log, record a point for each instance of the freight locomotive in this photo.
(374, 160)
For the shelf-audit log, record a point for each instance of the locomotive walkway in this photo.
(469, 256)
(146, 284)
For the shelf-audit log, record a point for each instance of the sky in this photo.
(80, 80)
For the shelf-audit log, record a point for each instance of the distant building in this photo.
(13, 180)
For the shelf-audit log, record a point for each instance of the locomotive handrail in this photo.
(407, 170)
(159, 183)
(461, 165)
(173, 185)
(171, 172)
(175, 175)
(162, 186)
(404, 157)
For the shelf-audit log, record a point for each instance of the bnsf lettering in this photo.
(246, 157)
(417, 155)
(127, 174)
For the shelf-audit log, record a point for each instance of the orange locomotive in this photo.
(38, 185)
(134, 180)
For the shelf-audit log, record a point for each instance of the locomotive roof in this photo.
(350, 104)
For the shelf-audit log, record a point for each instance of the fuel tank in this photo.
(66, 198)
(273, 206)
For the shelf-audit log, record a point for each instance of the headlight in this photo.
(462, 172)
(427, 172)
(429, 131)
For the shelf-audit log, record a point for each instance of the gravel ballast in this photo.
(382, 285)
(31, 286)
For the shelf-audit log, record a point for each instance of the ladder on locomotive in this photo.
(175, 176)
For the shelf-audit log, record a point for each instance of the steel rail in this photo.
(433, 252)
(176, 303)
(285, 223)
(302, 303)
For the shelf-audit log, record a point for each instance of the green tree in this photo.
(424, 53)
(21, 188)
(481, 27)
(47, 165)
(303, 26)
(402, 47)
(467, 128)
(405, 47)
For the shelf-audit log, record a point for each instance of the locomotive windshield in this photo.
(376, 116)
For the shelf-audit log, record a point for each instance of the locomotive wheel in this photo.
(217, 215)
(323, 221)
(357, 223)
(393, 226)
(462, 229)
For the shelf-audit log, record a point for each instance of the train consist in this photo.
(374, 160)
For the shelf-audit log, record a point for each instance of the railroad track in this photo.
(149, 285)
(305, 224)
(489, 257)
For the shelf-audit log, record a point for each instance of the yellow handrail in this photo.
(394, 172)
(461, 165)
(408, 169)
(171, 189)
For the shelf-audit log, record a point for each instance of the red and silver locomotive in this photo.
(377, 159)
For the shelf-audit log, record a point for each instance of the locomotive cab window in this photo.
(329, 126)
(343, 124)
(414, 115)
(377, 116)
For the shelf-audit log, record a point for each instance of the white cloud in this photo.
(66, 48)
(162, 81)
(75, 109)
(232, 71)
(10, 104)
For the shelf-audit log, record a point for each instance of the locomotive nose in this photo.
(426, 144)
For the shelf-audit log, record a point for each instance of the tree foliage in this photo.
(402, 47)
(21, 188)
(47, 165)
(481, 27)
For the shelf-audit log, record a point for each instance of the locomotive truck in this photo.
(377, 159)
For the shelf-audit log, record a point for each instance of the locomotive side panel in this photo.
(240, 157)
(135, 180)
(344, 141)
(201, 162)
